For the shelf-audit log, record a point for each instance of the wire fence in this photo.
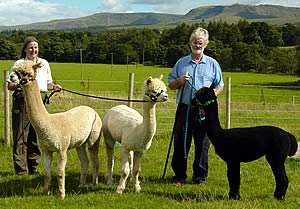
(246, 109)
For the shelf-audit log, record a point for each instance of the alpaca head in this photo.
(204, 96)
(155, 90)
(25, 71)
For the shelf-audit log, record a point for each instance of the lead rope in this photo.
(188, 112)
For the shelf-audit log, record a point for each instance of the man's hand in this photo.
(57, 87)
(175, 84)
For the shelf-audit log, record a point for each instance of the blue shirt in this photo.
(204, 74)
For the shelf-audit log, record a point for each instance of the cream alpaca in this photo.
(61, 131)
(135, 132)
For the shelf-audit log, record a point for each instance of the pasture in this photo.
(257, 99)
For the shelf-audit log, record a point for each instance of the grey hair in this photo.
(199, 33)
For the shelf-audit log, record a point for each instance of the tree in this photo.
(7, 49)
(242, 57)
(298, 60)
(290, 34)
(270, 35)
(174, 52)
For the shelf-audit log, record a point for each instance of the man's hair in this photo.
(198, 33)
(27, 40)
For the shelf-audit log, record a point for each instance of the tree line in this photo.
(243, 46)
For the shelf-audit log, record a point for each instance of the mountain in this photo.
(266, 13)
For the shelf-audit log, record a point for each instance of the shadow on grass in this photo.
(23, 186)
(32, 185)
(286, 85)
(196, 195)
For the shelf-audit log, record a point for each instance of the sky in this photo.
(19, 12)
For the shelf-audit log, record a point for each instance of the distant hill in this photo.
(231, 14)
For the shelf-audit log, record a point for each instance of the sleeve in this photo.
(49, 75)
(218, 81)
(173, 73)
(12, 76)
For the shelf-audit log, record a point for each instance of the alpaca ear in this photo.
(161, 76)
(149, 80)
(212, 86)
(36, 66)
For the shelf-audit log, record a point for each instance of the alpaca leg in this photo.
(233, 175)
(124, 172)
(61, 165)
(95, 161)
(110, 149)
(47, 163)
(130, 161)
(84, 164)
(280, 176)
(136, 169)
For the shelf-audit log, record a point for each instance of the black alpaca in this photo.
(238, 145)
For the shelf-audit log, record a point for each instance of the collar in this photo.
(37, 59)
(203, 59)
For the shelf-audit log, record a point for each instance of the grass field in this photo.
(253, 103)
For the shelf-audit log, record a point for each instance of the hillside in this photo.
(266, 13)
(231, 14)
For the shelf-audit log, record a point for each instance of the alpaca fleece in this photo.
(59, 132)
(238, 145)
(133, 131)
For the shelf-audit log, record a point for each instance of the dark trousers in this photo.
(196, 129)
(25, 148)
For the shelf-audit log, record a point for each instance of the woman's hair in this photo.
(27, 40)
(198, 33)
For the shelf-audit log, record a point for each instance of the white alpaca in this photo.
(135, 132)
(61, 131)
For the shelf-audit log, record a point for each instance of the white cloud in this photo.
(15, 12)
(114, 6)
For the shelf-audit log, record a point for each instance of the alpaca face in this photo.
(155, 90)
(26, 71)
(205, 95)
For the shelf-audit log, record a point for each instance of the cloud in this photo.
(152, 2)
(113, 6)
(15, 12)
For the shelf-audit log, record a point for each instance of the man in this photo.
(189, 74)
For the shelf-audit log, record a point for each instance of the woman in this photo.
(25, 148)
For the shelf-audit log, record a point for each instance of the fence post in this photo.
(6, 110)
(228, 101)
(130, 88)
(293, 100)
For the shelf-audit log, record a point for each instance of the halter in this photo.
(23, 81)
(154, 98)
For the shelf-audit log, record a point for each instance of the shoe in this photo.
(33, 171)
(21, 173)
(199, 181)
(178, 182)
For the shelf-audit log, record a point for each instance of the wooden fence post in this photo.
(130, 88)
(228, 101)
(6, 110)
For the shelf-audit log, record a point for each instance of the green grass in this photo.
(250, 104)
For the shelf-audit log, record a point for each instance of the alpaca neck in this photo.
(34, 104)
(212, 120)
(149, 121)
